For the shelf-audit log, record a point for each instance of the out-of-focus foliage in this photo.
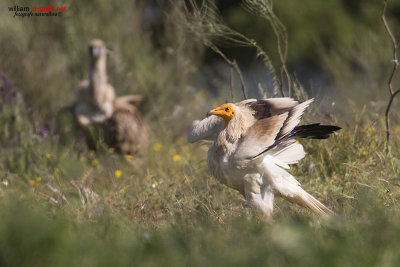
(330, 43)
(332, 24)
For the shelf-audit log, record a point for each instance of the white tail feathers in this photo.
(288, 187)
(315, 205)
(289, 152)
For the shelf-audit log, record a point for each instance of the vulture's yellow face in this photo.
(225, 111)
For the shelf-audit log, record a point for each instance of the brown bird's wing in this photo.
(259, 136)
(126, 131)
(127, 100)
(265, 108)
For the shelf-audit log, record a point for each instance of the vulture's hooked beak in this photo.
(218, 111)
(211, 112)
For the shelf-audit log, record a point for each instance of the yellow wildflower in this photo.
(95, 162)
(370, 129)
(176, 158)
(118, 173)
(186, 181)
(297, 142)
(128, 156)
(158, 147)
(35, 182)
(48, 155)
(365, 154)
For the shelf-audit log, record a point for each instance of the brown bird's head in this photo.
(97, 49)
(225, 111)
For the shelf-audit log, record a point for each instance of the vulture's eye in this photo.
(227, 109)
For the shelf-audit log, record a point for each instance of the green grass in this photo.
(166, 209)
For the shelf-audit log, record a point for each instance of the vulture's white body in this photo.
(252, 151)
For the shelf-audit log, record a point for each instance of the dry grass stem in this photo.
(395, 65)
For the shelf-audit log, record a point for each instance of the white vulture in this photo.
(254, 142)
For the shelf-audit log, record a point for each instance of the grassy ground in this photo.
(63, 205)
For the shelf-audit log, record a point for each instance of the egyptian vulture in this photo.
(254, 142)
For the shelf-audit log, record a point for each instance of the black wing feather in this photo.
(313, 131)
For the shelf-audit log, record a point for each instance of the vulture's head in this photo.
(97, 49)
(225, 111)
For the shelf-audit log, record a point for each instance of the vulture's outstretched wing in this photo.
(268, 107)
(259, 136)
(279, 132)
(206, 129)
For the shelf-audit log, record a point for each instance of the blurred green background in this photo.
(329, 43)
(67, 206)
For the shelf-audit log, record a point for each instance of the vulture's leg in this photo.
(262, 202)
(259, 196)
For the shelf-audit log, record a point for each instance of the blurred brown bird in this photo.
(125, 130)
(95, 96)
(118, 117)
